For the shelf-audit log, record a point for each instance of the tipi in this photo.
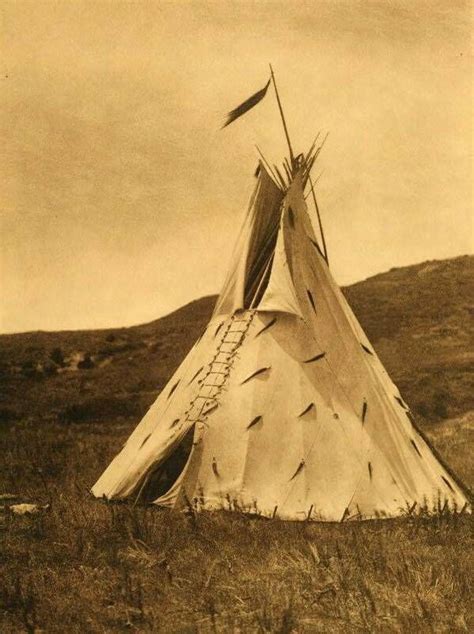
(282, 405)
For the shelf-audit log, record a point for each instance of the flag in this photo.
(246, 105)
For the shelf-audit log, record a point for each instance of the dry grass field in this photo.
(84, 566)
(68, 402)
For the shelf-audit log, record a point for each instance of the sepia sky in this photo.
(121, 196)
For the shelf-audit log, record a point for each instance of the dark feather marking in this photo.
(270, 323)
(448, 483)
(305, 411)
(364, 411)
(416, 447)
(367, 349)
(196, 375)
(254, 374)
(291, 217)
(218, 328)
(436, 454)
(369, 465)
(174, 423)
(310, 297)
(214, 467)
(316, 358)
(173, 388)
(144, 441)
(209, 411)
(410, 417)
(298, 470)
(254, 422)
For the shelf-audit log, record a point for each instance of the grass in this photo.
(84, 566)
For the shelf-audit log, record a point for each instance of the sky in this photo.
(121, 195)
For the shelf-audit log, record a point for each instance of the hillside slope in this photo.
(419, 319)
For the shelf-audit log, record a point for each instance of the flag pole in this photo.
(292, 158)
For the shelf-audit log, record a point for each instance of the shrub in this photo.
(86, 363)
(57, 356)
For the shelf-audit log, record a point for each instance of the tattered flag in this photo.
(246, 105)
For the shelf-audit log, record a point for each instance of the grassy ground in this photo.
(83, 566)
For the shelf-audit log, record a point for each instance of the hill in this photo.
(419, 319)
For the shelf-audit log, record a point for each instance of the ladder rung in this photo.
(212, 384)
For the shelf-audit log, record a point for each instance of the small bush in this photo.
(29, 370)
(57, 357)
(87, 363)
(50, 369)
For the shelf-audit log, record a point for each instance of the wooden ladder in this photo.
(211, 385)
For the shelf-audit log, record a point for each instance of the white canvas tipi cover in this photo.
(284, 404)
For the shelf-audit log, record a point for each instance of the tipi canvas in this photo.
(282, 405)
